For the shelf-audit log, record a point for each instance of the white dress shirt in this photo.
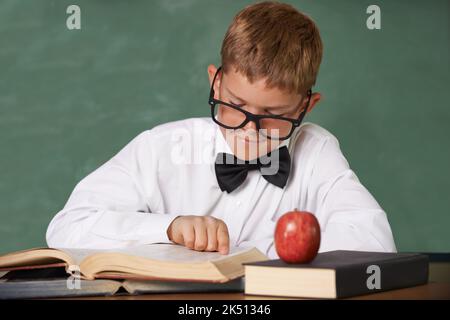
(169, 171)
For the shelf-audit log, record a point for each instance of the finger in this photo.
(211, 229)
(223, 238)
(177, 237)
(176, 234)
(201, 236)
(188, 234)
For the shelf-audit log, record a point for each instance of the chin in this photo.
(249, 150)
(254, 147)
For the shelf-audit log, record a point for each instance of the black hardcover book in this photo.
(337, 274)
(55, 283)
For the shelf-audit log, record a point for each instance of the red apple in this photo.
(297, 237)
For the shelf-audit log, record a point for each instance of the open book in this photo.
(147, 262)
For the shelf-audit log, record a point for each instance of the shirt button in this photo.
(238, 203)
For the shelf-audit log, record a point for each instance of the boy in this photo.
(175, 183)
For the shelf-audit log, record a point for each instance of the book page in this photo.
(178, 253)
(159, 251)
(32, 258)
(79, 254)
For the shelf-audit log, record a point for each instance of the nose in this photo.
(251, 125)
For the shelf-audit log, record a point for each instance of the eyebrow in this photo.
(268, 107)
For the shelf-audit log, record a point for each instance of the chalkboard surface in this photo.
(71, 99)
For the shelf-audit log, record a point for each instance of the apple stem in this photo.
(295, 209)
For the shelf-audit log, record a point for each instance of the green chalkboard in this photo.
(71, 99)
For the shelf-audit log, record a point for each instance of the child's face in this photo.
(234, 88)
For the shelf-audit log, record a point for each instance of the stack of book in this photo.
(164, 268)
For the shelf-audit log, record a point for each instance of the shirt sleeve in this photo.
(349, 216)
(109, 209)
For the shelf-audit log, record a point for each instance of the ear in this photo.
(315, 98)
(211, 72)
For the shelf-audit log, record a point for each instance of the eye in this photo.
(235, 104)
(275, 114)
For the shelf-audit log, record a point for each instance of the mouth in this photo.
(247, 139)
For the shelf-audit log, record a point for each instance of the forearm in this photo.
(102, 229)
(354, 233)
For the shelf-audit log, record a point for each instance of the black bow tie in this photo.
(231, 171)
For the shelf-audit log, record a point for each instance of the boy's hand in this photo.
(200, 233)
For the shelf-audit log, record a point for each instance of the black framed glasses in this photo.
(234, 117)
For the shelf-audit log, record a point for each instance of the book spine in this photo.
(381, 276)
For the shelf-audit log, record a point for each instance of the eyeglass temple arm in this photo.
(303, 113)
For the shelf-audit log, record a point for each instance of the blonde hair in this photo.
(275, 41)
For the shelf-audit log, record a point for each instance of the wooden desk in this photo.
(431, 290)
